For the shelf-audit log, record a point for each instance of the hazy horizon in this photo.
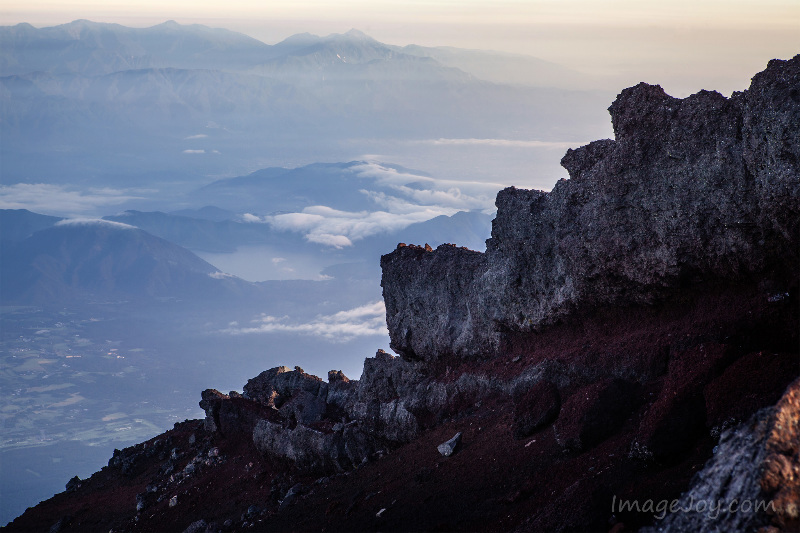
(683, 46)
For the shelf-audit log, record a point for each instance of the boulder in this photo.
(275, 386)
(74, 484)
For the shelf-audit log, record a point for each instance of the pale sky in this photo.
(685, 45)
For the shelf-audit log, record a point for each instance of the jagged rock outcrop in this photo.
(692, 189)
(429, 308)
(338, 425)
(323, 426)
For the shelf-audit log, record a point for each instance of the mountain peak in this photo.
(358, 34)
(351, 35)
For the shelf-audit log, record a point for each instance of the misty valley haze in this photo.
(185, 206)
(112, 106)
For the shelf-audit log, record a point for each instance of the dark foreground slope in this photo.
(627, 341)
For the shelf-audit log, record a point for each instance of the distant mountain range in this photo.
(93, 49)
(139, 255)
(87, 100)
(18, 224)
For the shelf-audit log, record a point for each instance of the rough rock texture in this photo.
(428, 306)
(692, 189)
(337, 426)
(752, 481)
(274, 386)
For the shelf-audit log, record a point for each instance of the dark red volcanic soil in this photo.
(692, 365)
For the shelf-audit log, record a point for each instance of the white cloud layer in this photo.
(405, 199)
(93, 222)
(221, 275)
(53, 199)
(366, 320)
(511, 143)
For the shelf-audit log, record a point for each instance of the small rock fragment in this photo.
(200, 526)
(451, 446)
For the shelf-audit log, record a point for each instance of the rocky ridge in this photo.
(623, 337)
(704, 188)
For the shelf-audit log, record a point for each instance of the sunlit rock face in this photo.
(755, 464)
(692, 189)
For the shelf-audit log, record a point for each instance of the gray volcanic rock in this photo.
(314, 449)
(751, 481)
(450, 447)
(275, 386)
(429, 308)
(340, 424)
(691, 189)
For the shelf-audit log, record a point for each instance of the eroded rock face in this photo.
(325, 426)
(430, 309)
(342, 423)
(705, 187)
(274, 386)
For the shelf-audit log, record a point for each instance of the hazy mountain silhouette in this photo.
(87, 99)
(274, 190)
(199, 234)
(93, 48)
(99, 259)
(18, 224)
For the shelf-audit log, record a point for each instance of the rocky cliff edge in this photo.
(691, 190)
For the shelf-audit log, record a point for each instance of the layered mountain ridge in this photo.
(92, 102)
(622, 333)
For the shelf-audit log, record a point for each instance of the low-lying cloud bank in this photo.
(404, 198)
(60, 200)
(511, 143)
(366, 320)
(94, 222)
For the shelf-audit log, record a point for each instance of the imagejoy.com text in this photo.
(711, 508)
